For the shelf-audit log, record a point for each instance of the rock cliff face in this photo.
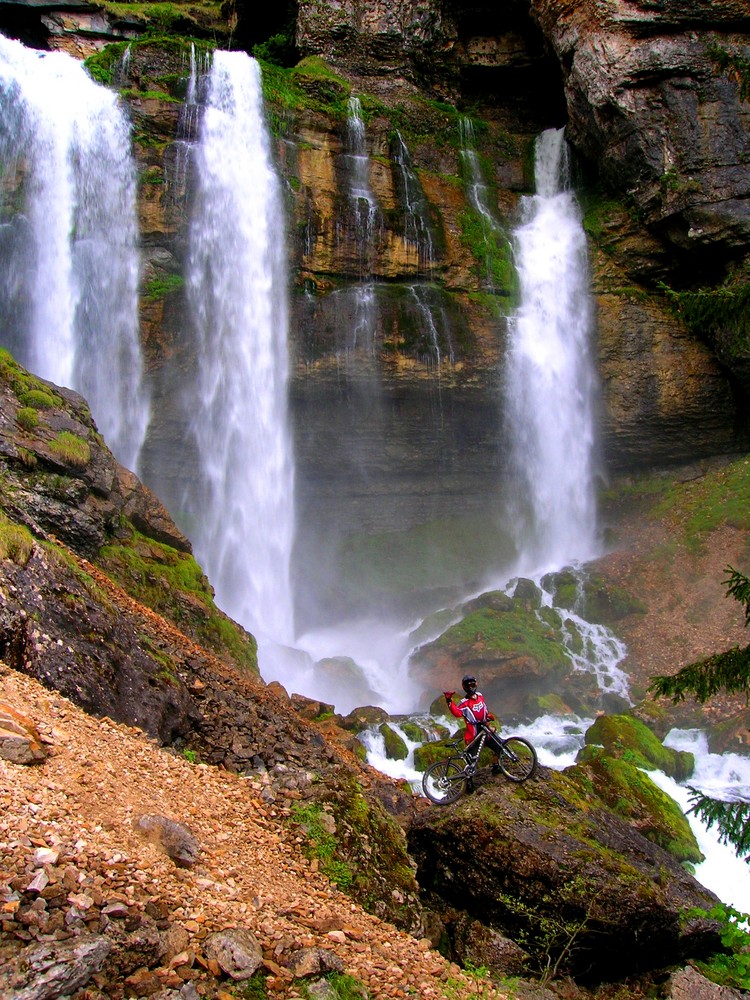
(399, 334)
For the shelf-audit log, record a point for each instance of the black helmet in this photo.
(469, 683)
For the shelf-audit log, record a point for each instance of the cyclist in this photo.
(472, 709)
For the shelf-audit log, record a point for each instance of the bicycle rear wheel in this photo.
(444, 781)
(518, 759)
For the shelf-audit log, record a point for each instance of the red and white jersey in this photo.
(472, 710)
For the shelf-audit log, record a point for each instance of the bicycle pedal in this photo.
(470, 786)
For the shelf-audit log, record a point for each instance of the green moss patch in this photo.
(627, 738)
(633, 795)
(310, 85)
(395, 747)
(163, 285)
(16, 541)
(173, 584)
(510, 633)
(591, 596)
(27, 418)
(721, 497)
(71, 449)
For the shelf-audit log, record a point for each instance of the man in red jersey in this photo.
(472, 709)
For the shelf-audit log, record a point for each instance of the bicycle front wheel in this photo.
(444, 781)
(518, 759)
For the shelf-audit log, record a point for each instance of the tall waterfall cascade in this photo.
(241, 500)
(550, 379)
(69, 276)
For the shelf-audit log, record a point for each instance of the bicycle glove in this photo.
(448, 695)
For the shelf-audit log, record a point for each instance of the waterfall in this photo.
(240, 500)
(550, 381)
(364, 213)
(363, 201)
(68, 291)
(476, 187)
(416, 226)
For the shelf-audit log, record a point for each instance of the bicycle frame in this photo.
(473, 751)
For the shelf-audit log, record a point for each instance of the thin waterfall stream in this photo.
(68, 286)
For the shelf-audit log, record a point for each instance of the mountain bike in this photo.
(446, 780)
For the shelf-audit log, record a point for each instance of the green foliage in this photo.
(735, 67)
(395, 748)
(321, 844)
(160, 287)
(190, 755)
(310, 85)
(40, 399)
(731, 967)
(27, 418)
(517, 632)
(253, 988)
(490, 249)
(630, 793)
(341, 986)
(731, 819)
(101, 65)
(478, 985)
(712, 311)
(16, 541)
(279, 50)
(553, 932)
(176, 17)
(625, 737)
(71, 449)
(172, 583)
(699, 507)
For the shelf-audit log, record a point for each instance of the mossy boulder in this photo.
(395, 747)
(558, 864)
(633, 795)
(430, 753)
(627, 738)
(516, 651)
(528, 593)
(363, 718)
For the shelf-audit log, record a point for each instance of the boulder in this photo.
(562, 875)
(20, 742)
(236, 950)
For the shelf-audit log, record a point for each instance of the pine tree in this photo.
(729, 672)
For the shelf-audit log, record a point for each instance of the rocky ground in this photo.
(74, 868)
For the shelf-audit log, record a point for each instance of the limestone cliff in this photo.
(398, 345)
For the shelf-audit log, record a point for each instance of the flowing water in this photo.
(550, 384)
(417, 232)
(241, 499)
(69, 280)
(364, 205)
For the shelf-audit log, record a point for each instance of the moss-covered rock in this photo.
(558, 866)
(363, 718)
(633, 795)
(627, 738)
(395, 747)
(430, 753)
